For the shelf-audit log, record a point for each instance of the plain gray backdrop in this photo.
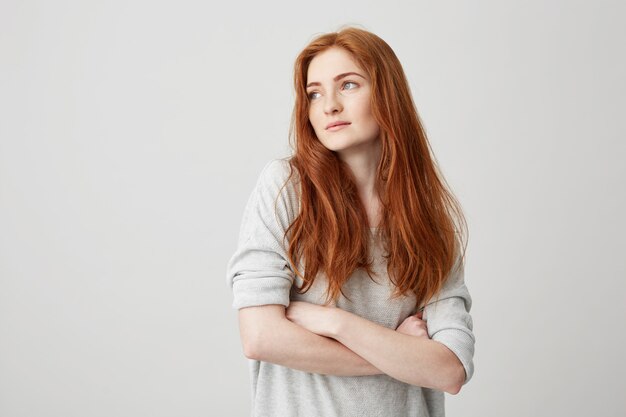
(132, 133)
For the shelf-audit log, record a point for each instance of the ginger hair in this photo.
(422, 226)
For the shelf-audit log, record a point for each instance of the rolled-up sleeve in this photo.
(449, 321)
(259, 272)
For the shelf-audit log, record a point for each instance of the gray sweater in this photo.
(259, 273)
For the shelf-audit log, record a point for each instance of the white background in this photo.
(132, 133)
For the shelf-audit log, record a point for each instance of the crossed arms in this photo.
(329, 340)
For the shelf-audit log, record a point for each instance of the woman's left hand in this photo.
(414, 326)
(313, 317)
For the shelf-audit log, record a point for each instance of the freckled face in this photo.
(339, 91)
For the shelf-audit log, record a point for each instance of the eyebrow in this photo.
(338, 77)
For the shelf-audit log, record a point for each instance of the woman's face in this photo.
(339, 91)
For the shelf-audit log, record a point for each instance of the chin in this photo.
(344, 145)
(337, 148)
(337, 143)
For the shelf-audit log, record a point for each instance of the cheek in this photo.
(365, 114)
(314, 121)
(363, 108)
(369, 120)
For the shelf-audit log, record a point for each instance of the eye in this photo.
(311, 95)
(350, 82)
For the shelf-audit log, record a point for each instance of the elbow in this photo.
(252, 346)
(249, 349)
(255, 324)
(457, 379)
(454, 390)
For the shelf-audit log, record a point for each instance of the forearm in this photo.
(290, 345)
(416, 361)
(278, 340)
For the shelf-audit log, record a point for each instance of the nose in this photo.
(332, 104)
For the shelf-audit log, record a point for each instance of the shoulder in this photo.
(277, 192)
(276, 170)
(276, 176)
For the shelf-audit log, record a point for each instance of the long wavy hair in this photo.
(423, 229)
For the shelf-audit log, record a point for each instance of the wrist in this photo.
(336, 320)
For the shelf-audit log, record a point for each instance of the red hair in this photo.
(422, 226)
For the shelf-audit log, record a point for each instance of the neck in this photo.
(364, 164)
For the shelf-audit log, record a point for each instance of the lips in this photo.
(337, 123)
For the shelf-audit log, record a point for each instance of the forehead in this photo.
(331, 62)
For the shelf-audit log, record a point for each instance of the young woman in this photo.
(348, 275)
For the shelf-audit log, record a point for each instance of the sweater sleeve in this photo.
(259, 271)
(448, 319)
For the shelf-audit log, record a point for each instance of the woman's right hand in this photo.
(414, 326)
